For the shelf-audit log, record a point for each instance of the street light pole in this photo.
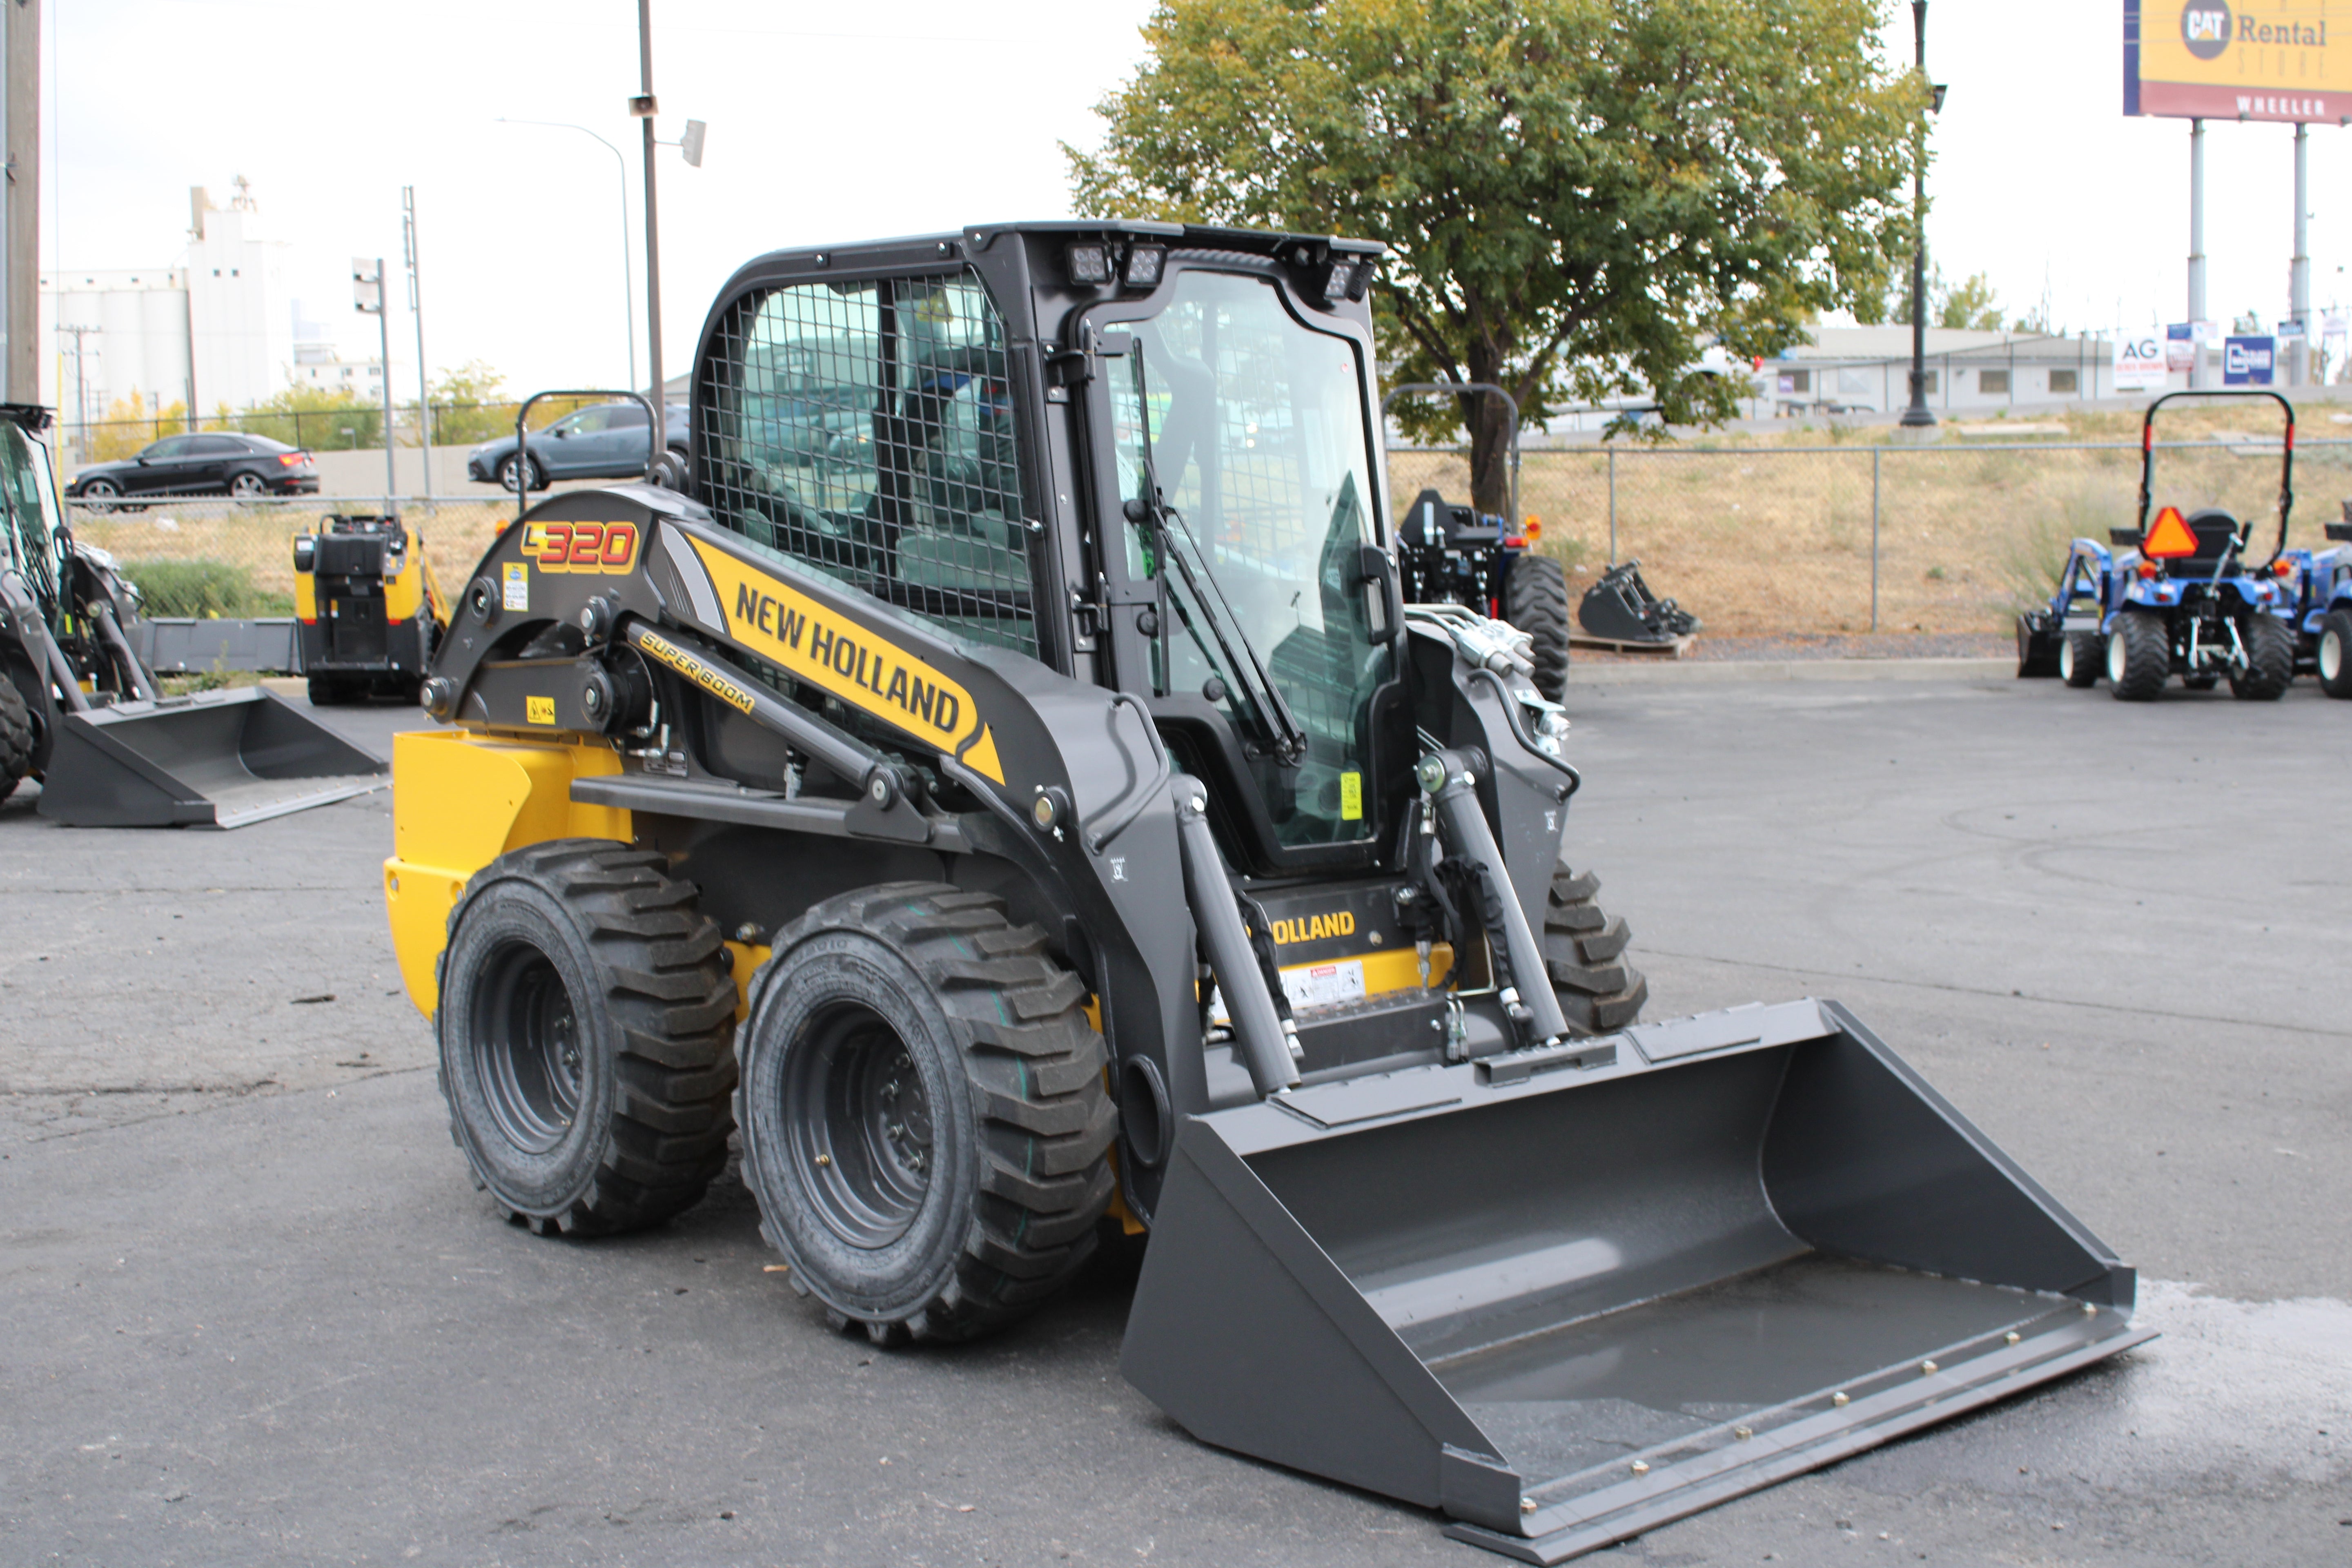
(416, 310)
(369, 298)
(642, 106)
(628, 271)
(1918, 415)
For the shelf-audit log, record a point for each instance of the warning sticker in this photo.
(1324, 984)
(517, 587)
(539, 709)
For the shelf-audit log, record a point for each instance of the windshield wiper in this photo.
(1282, 727)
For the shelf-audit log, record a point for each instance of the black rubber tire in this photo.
(2269, 659)
(16, 737)
(1534, 600)
(990, 1205)
(2334, 653)
(596, 942)
(2082, 659)
(2139, 655)
(535, 476)
(1584, 948)
(329, 690)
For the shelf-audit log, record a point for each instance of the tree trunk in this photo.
(1490, 455)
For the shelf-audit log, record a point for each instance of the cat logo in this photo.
(608, 548)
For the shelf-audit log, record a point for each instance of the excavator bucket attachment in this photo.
(1567, 1295)
(212, 759)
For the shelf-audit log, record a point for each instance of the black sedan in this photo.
(246, 466)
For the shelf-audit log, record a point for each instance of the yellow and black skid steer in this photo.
(80, 711)
(1007, 790)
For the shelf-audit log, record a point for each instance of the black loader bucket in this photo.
(213, 759)
(1567, 1295)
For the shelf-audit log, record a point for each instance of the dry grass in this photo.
(1755, 535)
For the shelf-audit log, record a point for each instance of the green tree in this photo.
(1578, 195)
(314, 418)
(131, 423)
(1969, 307)
(470, 405)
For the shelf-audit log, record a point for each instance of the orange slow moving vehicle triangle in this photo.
(2170, 537)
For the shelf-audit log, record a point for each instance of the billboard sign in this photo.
(2238, 60)
(2246, 362)
(2181, 340)
(2140, 363)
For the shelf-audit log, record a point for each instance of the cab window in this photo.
(866, 429)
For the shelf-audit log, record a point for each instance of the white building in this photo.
(216, 328)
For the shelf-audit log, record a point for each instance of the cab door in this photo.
(161, 469)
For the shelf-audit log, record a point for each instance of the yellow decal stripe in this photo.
(862, 667)
(694, 670)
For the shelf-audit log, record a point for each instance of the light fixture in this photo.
(1088, 261)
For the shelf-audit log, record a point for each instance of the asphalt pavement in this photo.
(256, 1313)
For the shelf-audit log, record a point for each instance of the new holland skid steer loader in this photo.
(1007, 789)
(81, 711)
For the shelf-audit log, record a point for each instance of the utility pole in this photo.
(2298, 272)
(2197, 253)
(367, 298)
(1918, 416)
(20, 277)
(416, 308)
(81, 390)
(642, 106)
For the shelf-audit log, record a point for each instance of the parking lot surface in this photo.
(256, 1311)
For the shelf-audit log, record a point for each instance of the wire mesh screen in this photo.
(866, 430)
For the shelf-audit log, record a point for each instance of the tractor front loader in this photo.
(1008, 790)
(81, 711)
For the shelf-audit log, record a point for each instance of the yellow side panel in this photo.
(405, 593)
(458, 802)
(744, 961)
(306, 597)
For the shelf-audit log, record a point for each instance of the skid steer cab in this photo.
(1009, 791)
(2177, 594)
(369, 612)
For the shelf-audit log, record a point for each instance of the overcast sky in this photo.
(833, 122)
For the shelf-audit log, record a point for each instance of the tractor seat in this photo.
(2215, 529)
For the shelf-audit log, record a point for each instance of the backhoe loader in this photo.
(1007, 792)
(80, 711)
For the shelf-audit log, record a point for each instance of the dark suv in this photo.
(245, 466)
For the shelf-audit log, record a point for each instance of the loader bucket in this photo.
(1568, 1295)
(212, 759)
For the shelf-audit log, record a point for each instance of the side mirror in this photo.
(1385, 610)
(2127, 537)
(560, 434)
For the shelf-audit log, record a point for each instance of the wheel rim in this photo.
(527, 1048)
(859, 1122)
(246, 485)
(2117, 658)
(2331, 653)
(511, 474)
(2067, 659)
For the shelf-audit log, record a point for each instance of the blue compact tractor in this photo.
(2173, 596)
(2320, 610)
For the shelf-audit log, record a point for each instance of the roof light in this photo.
(2170, 537)
(1143, 265)
(1088, 262)
(1336, 281)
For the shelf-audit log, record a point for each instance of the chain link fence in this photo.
(1770, 541)
(209, 555)
(1757, 542)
